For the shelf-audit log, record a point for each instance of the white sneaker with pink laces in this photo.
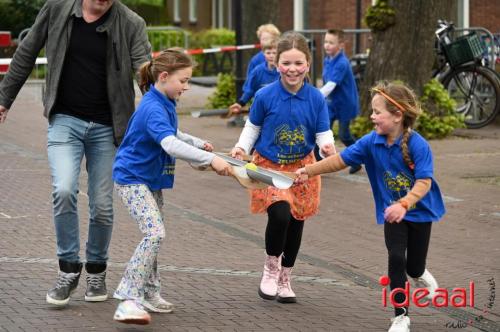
(129, 312)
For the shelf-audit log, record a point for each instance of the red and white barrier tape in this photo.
(217, 49)
(43, 61)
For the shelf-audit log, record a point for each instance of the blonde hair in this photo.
(169, 60)
(400, 98)
(269, 28)
(270, 44)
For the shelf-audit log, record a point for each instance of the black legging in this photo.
(407, 244)
(283, 233)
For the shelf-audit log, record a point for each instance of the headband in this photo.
(389, 98)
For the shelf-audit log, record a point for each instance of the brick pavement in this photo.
(212, 257)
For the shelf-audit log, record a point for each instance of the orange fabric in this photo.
(303, 198)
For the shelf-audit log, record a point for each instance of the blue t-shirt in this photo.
(289, 122)
(140, 158)
(259, 78)
(390, 177)
(343, 102)
(256, 60)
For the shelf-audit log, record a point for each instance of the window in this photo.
(177, 11)
(193, 9)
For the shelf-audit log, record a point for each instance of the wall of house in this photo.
(486, 14)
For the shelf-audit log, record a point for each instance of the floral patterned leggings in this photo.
(141, 278)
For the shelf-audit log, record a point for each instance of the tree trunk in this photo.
(254, 14)
(405, 51)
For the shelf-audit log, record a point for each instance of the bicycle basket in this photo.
(464, 49)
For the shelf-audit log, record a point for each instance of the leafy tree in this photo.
(403, 42)
(16, 15)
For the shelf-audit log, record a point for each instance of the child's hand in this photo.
(301, 176)
(235, 108)
(328, 150)
(221, 166)
(237, 153)
(208, 147)
(394, 213)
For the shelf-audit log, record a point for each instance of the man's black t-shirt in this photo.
(82, 91)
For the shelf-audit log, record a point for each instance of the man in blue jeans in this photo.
(93, 48)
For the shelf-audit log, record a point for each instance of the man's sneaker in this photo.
(129, 312)
(400, 323)
(157, 304)
(65, 285)
(426, 280)
(96, 287)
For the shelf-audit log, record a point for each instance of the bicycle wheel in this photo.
(476, 90)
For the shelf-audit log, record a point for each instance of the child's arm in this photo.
(182, 150)
(248, 137)
(179, 149)
(326, 143)
(419, 190)
(397, 211)
(191, 140)
(333, 163)
(327, 88)
(248, 93)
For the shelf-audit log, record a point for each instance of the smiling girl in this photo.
(288, 117)
(400, 168)
(144, 165)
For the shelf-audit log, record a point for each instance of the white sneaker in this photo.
(129, 312)
(400, 323)
(426, 280)
(157, 304)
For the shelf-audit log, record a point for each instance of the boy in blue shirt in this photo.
(262, 75)
(265, 33)
(339, 88)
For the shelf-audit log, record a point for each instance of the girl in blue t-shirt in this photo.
(407, 198)
(144, 165)
(288, 117)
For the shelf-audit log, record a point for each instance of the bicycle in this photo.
(474, 86)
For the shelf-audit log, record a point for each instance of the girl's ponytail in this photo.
(169, 60)
(146, 77)
(405, 151)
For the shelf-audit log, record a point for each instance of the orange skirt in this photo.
(303, 198)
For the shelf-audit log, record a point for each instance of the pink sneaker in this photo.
(285, 292)
(268, 288)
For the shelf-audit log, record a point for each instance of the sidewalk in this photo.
(212, 257)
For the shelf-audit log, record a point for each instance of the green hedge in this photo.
(438, 119)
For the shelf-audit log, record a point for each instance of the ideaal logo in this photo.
(459, 297)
